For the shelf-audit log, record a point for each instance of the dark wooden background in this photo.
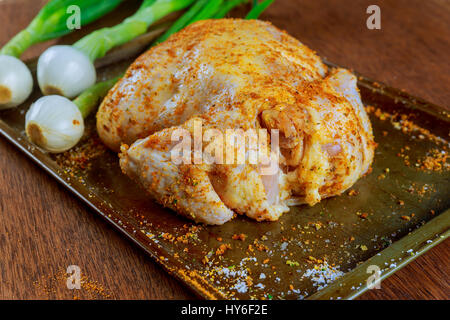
(44, 229)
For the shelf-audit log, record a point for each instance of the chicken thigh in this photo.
(240, 75)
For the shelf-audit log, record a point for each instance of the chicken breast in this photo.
(241, 75)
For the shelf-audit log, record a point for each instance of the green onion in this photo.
(258, 9)
(68, 70)
(182, 22)
(227, 7)
(16, 82)
(51, 22)
(208, 11)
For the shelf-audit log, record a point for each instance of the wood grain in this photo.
(44, 229)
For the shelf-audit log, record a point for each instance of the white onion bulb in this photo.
(54, 123)
(16, 82)
(65, 71)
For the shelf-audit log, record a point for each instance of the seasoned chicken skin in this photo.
(237, 74)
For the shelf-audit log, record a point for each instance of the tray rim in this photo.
(438, 228)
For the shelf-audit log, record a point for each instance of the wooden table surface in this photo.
(44, 229)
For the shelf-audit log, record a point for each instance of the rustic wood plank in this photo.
(43, 228)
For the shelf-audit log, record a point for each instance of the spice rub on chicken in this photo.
(237, 74)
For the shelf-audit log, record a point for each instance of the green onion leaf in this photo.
(182, 21)
(228, 6)
(208, 11)
(258, 9)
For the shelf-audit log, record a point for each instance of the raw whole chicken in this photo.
(237, 74)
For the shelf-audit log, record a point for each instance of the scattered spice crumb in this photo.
(222, 249)
(240, 236)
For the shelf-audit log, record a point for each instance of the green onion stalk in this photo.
(258, 8)
(55, 123)
(69, 70)
(182, 21)
(227, 7)
(16, 82)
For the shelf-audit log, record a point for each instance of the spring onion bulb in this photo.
(16, 82)
(56, 123)
(65, 71)
(68, 70)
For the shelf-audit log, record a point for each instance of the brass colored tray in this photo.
(390, 216)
